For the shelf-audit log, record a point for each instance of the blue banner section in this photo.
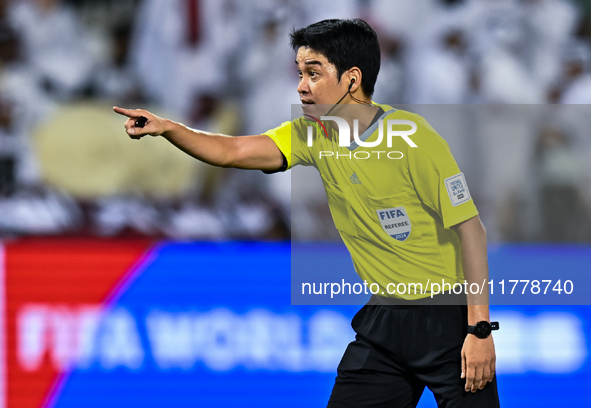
(212, 325)
(540, 275)
(323, 274)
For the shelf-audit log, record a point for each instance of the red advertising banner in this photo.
(55, 291)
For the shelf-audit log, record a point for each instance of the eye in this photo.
(300, 73)
(312, 74)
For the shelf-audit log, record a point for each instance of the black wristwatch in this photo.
(483, 328)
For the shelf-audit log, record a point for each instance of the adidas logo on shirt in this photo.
(354, 179)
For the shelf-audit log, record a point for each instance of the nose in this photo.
(303, 87)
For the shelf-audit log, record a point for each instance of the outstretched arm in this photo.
(478, 355)
(243, 152)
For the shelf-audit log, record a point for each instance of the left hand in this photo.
(478, 362)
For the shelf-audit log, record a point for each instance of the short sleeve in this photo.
(288, 139)
(437, 179)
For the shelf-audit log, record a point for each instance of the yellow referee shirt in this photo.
(393, 206)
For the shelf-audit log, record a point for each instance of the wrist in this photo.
(483, 329)
(477, 313)
(168, 127)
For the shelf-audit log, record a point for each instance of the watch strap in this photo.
(493, 326)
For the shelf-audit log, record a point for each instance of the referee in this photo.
(406, 218)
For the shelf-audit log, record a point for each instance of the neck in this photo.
(351, 111)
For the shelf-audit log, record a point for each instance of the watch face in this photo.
(482, 329)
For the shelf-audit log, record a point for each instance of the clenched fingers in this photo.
(152, 127)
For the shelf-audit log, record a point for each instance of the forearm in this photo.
(475, 264)
(211, 148)
(478, 354)
(243, 152)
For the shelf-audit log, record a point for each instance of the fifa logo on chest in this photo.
(391, 214)
(395, 222)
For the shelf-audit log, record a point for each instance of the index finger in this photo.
(470, 377)
(130, 113)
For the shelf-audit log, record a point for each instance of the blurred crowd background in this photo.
(68, 168)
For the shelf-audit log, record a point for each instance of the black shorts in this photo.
(401, 349)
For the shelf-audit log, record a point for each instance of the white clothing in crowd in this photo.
(55, 45)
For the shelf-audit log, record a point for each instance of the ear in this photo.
(354, 79)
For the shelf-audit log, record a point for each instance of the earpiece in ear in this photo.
(351, 83)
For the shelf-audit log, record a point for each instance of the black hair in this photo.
(346, 44)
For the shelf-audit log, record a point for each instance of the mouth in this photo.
(306, 102)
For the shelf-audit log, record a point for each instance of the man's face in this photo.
(319, 81)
